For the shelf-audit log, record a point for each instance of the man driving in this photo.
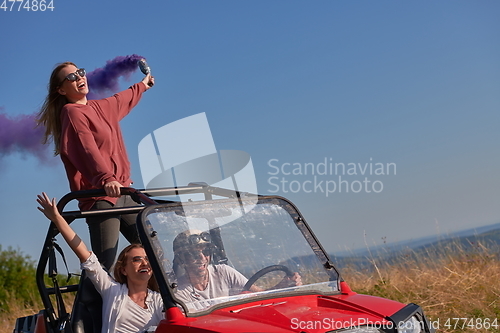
(200, 279)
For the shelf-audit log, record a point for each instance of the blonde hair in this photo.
(50, 112)
(122, 261)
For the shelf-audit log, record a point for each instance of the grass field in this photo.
(458, 289)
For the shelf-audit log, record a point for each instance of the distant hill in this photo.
(415, 243)
(468, 241)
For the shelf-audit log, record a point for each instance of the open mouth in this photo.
(81, 85)
(144, 270)
(200, 266)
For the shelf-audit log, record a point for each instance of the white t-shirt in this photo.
(133, 317)
(223, 281)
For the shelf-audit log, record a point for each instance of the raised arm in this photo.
(49, 209)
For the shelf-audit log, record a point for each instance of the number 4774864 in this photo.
(27, 5)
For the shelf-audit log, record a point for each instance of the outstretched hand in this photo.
(49, 207)
(148, 81)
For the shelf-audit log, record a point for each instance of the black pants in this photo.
(105, 230)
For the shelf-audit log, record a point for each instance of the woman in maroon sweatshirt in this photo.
(87, 136)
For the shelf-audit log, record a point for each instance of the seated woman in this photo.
(129, 302)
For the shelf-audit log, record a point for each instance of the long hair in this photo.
(122, 261)
(50, 112)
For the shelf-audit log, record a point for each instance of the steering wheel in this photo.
(265, 271)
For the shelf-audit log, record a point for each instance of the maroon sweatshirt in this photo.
(92, 147)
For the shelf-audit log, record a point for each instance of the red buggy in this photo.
(264, 238)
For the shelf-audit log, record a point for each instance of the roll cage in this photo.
(56, 315)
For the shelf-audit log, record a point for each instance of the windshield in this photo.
(210, 250)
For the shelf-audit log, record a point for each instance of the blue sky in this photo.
(413, 83)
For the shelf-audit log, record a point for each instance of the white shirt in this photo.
(115, 305)
(134, 317)
(223, 281)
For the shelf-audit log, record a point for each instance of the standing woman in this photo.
(87, 136)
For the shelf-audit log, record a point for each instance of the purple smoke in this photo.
(104, 81)
(20, 134)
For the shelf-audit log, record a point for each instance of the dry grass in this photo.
(455, 284)
(18, 309)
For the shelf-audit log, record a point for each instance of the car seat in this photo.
(86, 316)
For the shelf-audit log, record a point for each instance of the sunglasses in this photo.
(139, 259)
(204, 237)
(192, 254)
(71, 77)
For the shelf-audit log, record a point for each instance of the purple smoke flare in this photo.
(104, 80)
(20, 134)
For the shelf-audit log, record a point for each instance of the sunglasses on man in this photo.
(194, 253)
(204, 237)
(71, 77)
